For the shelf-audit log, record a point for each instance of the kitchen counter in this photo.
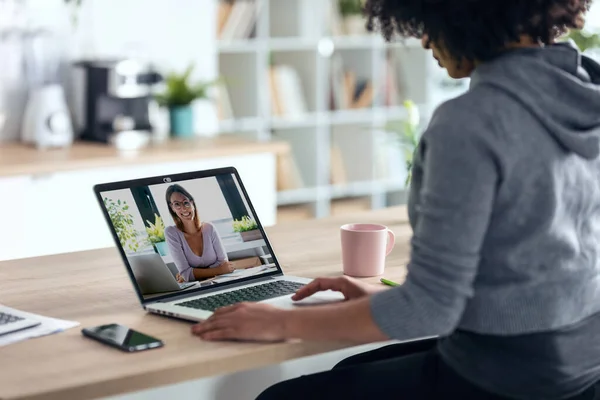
(20, 159)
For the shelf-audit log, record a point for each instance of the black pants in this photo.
(411, 370)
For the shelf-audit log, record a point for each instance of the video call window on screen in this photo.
(180, 235)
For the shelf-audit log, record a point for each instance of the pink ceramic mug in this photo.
(364, 248)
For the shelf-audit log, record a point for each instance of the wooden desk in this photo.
(93, 288)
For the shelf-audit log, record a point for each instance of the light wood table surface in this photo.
(93, 288)
(20, 159)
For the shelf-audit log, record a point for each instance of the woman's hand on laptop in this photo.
(259, 322)
(244, 321)
(351, 288)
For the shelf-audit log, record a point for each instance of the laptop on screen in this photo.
(192, 243)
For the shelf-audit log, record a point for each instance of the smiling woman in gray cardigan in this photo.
(505, 211)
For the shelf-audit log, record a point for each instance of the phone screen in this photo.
(123, 337)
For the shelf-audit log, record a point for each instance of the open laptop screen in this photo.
(187, 234)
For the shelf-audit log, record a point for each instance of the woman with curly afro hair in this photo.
(502, 295)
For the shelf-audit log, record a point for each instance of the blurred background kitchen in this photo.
(320, 115)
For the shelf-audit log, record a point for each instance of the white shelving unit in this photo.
(297, 33)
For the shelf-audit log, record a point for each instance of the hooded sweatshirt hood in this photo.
(558, 85)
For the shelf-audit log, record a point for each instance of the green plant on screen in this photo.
(122, 220)
(156, 230)
(245, 224)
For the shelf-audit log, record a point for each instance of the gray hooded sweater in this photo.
(505, 209)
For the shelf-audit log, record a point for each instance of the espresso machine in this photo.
(117, 96)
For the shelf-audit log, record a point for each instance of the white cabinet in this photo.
(58, 213)
(14, 206)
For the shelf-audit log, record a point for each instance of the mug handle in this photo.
(391, 241)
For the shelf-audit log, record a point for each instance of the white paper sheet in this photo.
(48, 326)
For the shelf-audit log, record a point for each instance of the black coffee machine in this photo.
(117, 96)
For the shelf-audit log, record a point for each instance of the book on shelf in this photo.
(363, 95)
(349, 87)
(287, 97)
(224, 109)
(237, 19)
(350, 92)
(337, 169)
(288, 173)
(393, 89)
(339, 97)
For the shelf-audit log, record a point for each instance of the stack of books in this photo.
(287, 96)
(347, 90)
(392, 87)
(237, 19)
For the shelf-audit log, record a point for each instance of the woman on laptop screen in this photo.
(195, 246)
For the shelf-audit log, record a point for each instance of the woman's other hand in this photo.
(224, 268)
(179, 278)
(351, 288)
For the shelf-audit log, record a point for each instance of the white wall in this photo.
(593, 18)
(210, 202)
(170, 33)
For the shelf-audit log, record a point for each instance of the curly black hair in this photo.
(475, 29)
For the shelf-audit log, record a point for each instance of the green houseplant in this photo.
(178, 97)
(352, 15)
(584, 40)
(406, 134)
(247, 228)
(122, 220)
(350, 7)
(156, 235)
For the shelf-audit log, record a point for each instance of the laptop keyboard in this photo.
(253, 293)
(6, 319)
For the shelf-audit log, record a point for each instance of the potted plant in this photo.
(122, 220)
(247, 228)
(156, 235)
(584, 40)
(406, 134)
(353, 18)
(178, 97)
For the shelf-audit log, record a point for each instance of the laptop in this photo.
(153, 275)
(11, 321)
(220, 199)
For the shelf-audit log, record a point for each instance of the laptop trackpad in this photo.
(327, 297)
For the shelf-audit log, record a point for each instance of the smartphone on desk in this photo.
(122, 337)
